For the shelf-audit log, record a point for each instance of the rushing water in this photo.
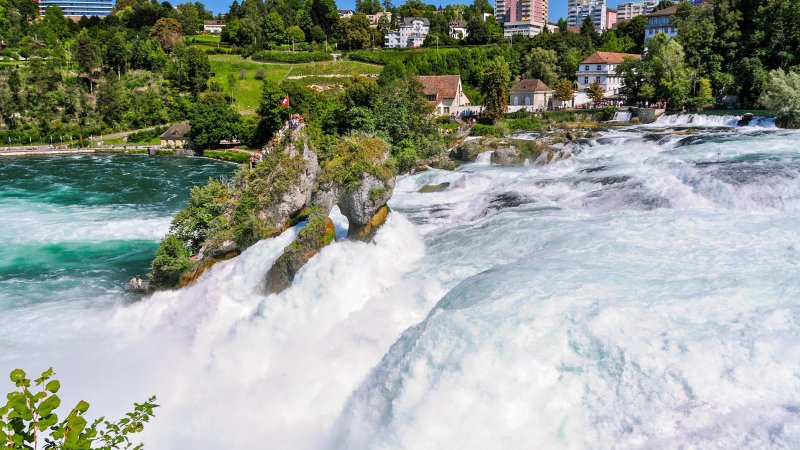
(641, 294)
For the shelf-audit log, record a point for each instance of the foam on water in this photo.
(641, 294)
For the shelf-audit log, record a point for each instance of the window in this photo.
(585, 80)
(599, 67)
(447, 110)
(430, 97)
(586, 68)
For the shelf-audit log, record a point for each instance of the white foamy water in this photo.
(641, 294)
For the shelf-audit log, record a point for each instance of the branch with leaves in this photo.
(29, 418)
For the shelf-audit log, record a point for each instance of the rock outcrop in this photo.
(543, 148)
(289, 186)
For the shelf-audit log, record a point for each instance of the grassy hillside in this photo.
(249, 88)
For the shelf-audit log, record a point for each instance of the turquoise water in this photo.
(76, 228)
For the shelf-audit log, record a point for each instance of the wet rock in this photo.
(745, 120)
(318, 232)
(360, 205)
(508, 156)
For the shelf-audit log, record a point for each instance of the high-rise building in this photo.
(79, 8)
(521, 11)
(579, 10)
(630, 10)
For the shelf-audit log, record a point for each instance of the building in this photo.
(176, 136)
(630, 10)
(661, 22)
(524, 28)
(213, 26)
(521, 11)
(374, 19)
(445, 93)
(458, 29)
(411, 33)
(601, 67)
(531, 94)
(611, 18)
(77, 9)
(579, 10)
(345, 13)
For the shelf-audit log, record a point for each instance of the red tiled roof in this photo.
(443, 86)
(531, 84)
(608, 58)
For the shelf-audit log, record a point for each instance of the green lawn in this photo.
(207, 42)
(249, 89)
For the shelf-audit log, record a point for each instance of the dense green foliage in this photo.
(171, 261)
(29, 418)
(213, 120)
(782, 95)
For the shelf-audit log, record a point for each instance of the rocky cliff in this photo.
(291, 185)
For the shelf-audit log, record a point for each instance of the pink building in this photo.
(611, 18)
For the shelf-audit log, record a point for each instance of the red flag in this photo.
(285, 102)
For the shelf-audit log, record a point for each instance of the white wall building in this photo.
(601, 67)
(661, 22)
(531, 94)
(213, 26)
(525, 28)
(630, 10)
(411, 33)
(578, 10)
(458, 29)
(445, 93)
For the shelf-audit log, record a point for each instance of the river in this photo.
(641, 294)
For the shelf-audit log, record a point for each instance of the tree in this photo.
(214, 120)
(87, 55)
(167, 32)
(540, 63)
(233, 84)
(477, 33)
(565, 91)
(633, 29)
(295, 33)
(782, 95)
(323, 14)
(271, 112)
(589, 31)
(274, 28)
(495, 88)
(190, 69)
(29, 417)
(188, 16)
(117, 53)
(111, 101)
(596, 92)
(356, 33)
(170, 262)
(704, 96)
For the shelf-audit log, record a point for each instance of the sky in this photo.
(558, 8)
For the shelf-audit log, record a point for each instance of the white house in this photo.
(601, 67)
(345, 13)
(531, 94)
(445, 92)
(375, 18)
(411, 33)
(213, 26)
(522, 28)
(661, 22)
(458, 29)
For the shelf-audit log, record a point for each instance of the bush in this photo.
(291, 57)
(782, 95)
(260, 74)
(483, 130)
(232, 156)
(171, 261)
(147, 135)
(526, 124)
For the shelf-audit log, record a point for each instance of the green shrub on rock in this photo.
(171, 261)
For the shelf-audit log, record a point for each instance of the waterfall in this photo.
(703, 120)
(622, 116)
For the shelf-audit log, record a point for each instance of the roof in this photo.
(345, 11)
(531, 84)
(664, 12)
(458, 23)
(177, 131)
(410, 20)
(213, 22)
(443, 86)
(608, 58)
